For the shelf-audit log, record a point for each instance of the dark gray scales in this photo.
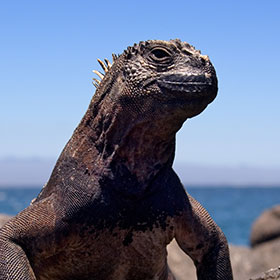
(113, 201)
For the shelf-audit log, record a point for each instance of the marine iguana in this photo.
(113, 201)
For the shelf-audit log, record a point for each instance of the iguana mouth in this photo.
(175, 80)
(182, 83)
(191, 86)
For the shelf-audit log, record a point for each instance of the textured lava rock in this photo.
(272, 274)
(266, 227)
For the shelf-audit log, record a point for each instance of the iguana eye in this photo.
(160, 55)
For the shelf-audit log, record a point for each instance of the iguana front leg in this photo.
(20, 237)
(14, 263)
(200, 238)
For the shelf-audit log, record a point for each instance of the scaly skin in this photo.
(113, 201)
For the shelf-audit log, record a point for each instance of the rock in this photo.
(4, 219)
(266, 227)
(268, 254)
(272, 274)
(240, 257)
(246, 262)
(179, 263)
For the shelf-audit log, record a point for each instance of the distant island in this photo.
(36, 171)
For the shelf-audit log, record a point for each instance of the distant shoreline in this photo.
(34, 173)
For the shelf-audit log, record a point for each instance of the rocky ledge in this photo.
(272, 274)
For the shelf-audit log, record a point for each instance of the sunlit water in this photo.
(233, 209)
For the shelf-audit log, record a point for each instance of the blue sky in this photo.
(48, 49)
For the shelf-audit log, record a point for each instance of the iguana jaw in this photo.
(195, 91)
(189, 85)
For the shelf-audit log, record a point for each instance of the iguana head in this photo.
(128, 131)
(127, 135)
(156, 78)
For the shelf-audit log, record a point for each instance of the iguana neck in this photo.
(116, 145)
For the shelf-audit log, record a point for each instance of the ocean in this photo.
(233, 209)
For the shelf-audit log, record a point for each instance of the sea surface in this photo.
(234, 209)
